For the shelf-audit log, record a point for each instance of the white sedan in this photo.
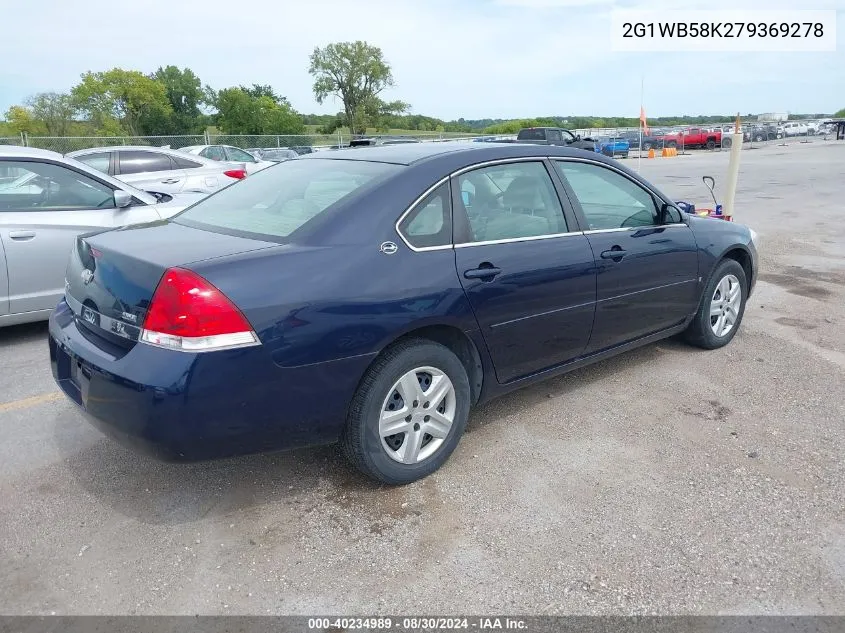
(46, 201)
(229, 154)
(161, 169)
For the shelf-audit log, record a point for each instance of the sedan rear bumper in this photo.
(180, 406)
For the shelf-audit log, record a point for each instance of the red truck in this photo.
(694, 137)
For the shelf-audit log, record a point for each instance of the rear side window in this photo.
(99, 161)
(184, 163)
(214, 152)
(430, 222)
(136, 162)
(274, 203)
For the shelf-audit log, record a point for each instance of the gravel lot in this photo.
(667, 480)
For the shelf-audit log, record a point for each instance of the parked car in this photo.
(227, 153)
(693, 137)
(554, 136)
(47, 200)
(381, 140)
(652, 140)
(796, 128)
(202, 337)
(277, 155)
(612, 146)
(763, 132)
(161, 169)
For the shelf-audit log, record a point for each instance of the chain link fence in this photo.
(65, 144)
(756, 134)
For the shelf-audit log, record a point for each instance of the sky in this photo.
(450, 58)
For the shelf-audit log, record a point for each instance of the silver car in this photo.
(46, 200)
(227, 153)
(161, 169)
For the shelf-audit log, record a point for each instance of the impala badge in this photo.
(87, 276)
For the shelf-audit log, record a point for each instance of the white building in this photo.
(773, 116)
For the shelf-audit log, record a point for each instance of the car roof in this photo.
(16, 151)
(412, 153)
(113, 148)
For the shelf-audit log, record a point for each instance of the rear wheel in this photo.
(409, 413)
(672, 144)
(711, 143)
(727, 142)
(721, 308)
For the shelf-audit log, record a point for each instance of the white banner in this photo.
(766, 30)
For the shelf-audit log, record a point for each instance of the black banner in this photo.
(421, 624)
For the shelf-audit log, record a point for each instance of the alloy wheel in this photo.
(725, 305)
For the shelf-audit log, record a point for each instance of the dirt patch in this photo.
(796, 286)
(712, 410)
(796, 323)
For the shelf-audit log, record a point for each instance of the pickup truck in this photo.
(552, 136)
(694, 137)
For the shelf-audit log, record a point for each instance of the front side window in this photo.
(138, 162)
(430, 222)
(274, 203)
(99, 161)
(510, 201)
(49, 187)
(608, 199)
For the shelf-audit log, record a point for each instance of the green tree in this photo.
(357, 73)
(241, 113)
(257, 91)
(185, 94)
(20, 119)
(840, 114)
(124, 100)
(55, 110)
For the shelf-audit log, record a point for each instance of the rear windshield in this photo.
(275, 202)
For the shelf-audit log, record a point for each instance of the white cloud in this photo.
(471, 58)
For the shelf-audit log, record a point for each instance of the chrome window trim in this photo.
(509, 240)
(541, 159)
(634, 228)
(412, 207)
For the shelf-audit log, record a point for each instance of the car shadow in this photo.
(24, 334)
(161, 493)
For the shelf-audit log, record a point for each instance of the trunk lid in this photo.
(112, 275)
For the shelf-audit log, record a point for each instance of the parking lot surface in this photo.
(666, 480)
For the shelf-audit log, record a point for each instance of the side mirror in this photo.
(122, 199)
(668, 212)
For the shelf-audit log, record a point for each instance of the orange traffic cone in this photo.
(651, 153)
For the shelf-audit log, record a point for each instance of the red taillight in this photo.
(189, 313)
(239, 174)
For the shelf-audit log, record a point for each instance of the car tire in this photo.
(711, 144)
(625, 155)
(727, 142)
(716, 303)
(380, 395)
(758, 138)
(672, 144)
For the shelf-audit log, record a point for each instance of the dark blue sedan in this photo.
(374, 297)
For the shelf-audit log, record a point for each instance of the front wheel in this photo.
(726, 142)
(409, 413)
(721, 308)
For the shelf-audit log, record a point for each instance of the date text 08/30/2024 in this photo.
(417, 623)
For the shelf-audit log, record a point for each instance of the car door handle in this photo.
(170, 181)
(21, 236)
(485, 271)
(614, 253)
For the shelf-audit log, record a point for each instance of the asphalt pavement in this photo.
(668, 480)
